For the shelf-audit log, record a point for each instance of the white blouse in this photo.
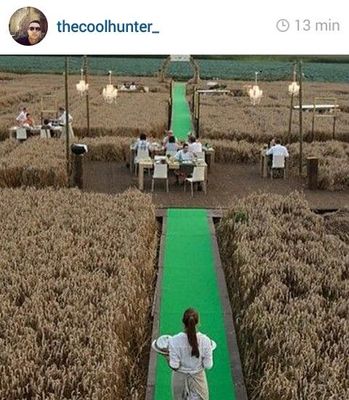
(180, 353)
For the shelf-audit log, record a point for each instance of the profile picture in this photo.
(28, 26)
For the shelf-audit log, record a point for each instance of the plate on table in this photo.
(161, 344)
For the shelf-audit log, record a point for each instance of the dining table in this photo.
(34, 130)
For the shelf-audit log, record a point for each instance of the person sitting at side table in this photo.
(47, 126)
(29, 121)
(277, 150)
(62, 121)
(21, 116)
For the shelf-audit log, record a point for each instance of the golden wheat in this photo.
(132, 112)
(77, 274)
(289, 287)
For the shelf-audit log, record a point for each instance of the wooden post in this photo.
(290, 121)
(312, 172)
(198, 117)
(169, 113)
(291, 108)
(170, 105)
(77, 171)
(87, 97)
(313, 122)
(300, 118)
(193, 102)
(66, 118)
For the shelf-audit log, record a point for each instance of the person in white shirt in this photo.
(171, 146)
(277, 149)
(194, 146)
(142, 143)
(22, 116)
(184, 154)
(62, 117)
(190, 353)
(62, 121)
(169, 134)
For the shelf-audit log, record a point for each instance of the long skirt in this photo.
(189, 386)
(70, 132)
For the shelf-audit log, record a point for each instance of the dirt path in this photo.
(225, 182)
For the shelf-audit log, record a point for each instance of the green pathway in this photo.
(181, 117)
(189, 280)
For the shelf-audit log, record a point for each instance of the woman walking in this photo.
(190, 353)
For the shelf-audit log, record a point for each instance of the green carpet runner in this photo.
(189, 280)
(181, 117)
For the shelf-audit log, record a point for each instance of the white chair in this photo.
(21, 134)
(142, 154)
(197, 177)
(160, 172)
(278, 163)
(45, 134)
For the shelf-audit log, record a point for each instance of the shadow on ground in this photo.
(226, 181)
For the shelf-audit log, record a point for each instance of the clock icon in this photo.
(282, 25)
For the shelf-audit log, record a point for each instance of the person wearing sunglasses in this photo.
(34, 34)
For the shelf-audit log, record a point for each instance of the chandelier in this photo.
(255, 93)
(110, 92)
(293, 88)
(82, 86)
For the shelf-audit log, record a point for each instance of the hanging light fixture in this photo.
(110, 92)
(255, 93)
(293, 88)
(82, 86)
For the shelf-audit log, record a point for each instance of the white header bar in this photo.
(184, 27)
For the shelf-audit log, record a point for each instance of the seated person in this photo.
(167, 137)
(171, 146)
(48, 126)
(277, 149)
(21, 116)
(29, 121)
(184, 154)
(194, 146)
(133, 86)
(185, 169)
(123, 86)
(62, 116)
(142, 143)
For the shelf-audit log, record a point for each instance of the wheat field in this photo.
(288, 278)
(131, 114)
(234, 118)
(76, 276)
